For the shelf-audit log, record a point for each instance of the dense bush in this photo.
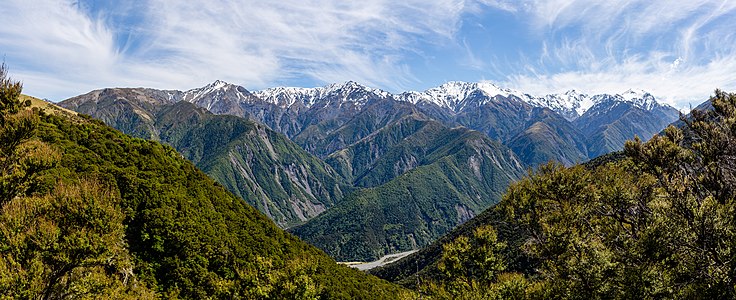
(88, 212)
(657, 222)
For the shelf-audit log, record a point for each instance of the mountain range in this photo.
(361, 172)
(623, 225)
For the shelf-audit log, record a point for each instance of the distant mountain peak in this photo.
(570, 104)
(348, 91)
(218, 83)
(640, 98)
(455, 95)
(634, 93)
(215, 85)
(216, 93)
(345, 85)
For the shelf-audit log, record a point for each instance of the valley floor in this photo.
(386, 259)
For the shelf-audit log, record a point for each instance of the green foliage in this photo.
(189, 237)
(658, 222)
(472, 267)
(21, 158)
(262, 167)
(10, 91)
(463, 174)
(118, 217)
(67, 244)
(468, 262)
(475, 257)
(650, 226)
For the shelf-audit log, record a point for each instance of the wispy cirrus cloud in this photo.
(679, 50)
(63, 48)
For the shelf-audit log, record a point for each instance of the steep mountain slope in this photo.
(326, 119)
(535, 133)
(186, 236)
(603, 121)
(390, 151)
(459, 173)
(337, 115)
(549, 137)
(263, 167)
(375, 144)
(629, 225)
(321, 120)
(613, 120)
(422, 177)
(325, 138)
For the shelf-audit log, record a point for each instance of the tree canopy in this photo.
(88, 212)
(657, 222)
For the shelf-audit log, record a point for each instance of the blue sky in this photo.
(678, 50)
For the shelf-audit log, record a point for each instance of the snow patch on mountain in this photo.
(456, 95)
(453, 95)
(570, 104)
(640, 98)
(338, 93)
(287, 96)
(209, 95)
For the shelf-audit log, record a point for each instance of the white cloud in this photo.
(673, 48)
(679, 50)
(681, 87)
(181, 44)
(55, 37)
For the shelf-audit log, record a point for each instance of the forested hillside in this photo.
(656, 222)
(387, 138)
(266, 169)
(87, 212)
(454, 174)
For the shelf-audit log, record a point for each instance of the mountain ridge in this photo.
(261, 166)
(382, 148)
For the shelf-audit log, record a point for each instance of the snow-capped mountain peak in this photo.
(456, 94)
(631, 94)
(347, 85)
(210, 88)
(349, 91)
(453, 95)
(570, 104)
(218, 84)
(287, 96)
(213, 93)
(640, 98)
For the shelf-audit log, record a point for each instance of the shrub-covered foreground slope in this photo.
(656, 222)
(90, 212)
